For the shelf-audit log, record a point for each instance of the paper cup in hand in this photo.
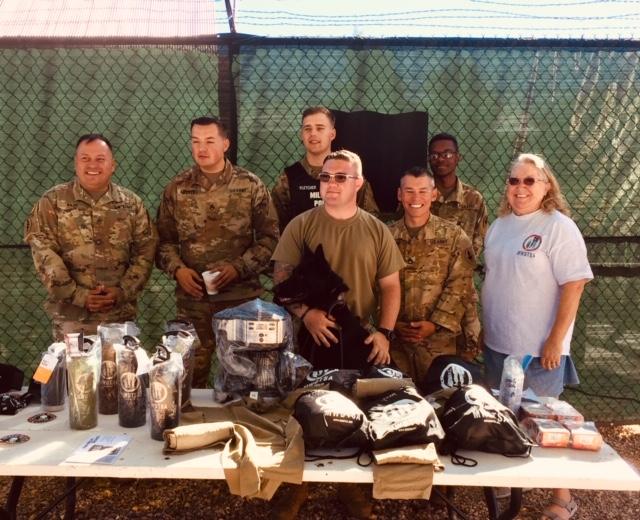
(209, 278)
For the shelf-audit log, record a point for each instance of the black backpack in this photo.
(473, 419)
(448, 371)
(330, 420)
(402, 418)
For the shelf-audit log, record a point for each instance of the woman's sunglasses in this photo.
(527, 181)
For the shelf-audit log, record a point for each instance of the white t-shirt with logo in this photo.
(527, 259)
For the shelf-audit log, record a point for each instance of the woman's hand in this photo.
(551, 354)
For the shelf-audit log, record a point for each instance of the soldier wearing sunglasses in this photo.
(298, 189)
(465, 206)
(360, 249)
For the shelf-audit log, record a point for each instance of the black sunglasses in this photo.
(527, 181)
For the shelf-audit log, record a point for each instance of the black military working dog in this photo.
(314, 283)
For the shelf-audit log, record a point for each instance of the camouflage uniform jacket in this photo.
(465, 207)
(78, 243)
(435, 282)
(202, 224)
(281, 195)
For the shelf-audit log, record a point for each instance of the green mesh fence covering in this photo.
(576, 103)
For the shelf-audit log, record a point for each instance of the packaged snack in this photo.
(536, 410)
(563, 411)
(584, 436)
(546, 432)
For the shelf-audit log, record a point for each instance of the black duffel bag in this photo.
(401, 418)
(474, 420)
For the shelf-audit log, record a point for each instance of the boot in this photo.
(356, 498)
(289, 501)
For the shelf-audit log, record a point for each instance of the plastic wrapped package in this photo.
(133, 369)
(165, 387)
(182, 342)
(83, 370)
(53, 391)
(546, 432)
(584, 435)
(563, 411)
(254, 346)
(110, 334)
(536, 410)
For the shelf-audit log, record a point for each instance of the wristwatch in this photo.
(388, 333)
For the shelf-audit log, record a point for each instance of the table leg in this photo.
(70, 502)
(453, 512)
(515, 503)
(8, 512)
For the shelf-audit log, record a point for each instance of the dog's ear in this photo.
(320, 258)
(307, 252)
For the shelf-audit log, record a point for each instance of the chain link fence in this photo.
(576, 103)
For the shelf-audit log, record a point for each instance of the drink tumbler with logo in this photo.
(182, 342)
(83, 368)
(132, 399)
(165, 381)
(108, 387)
(52, 392)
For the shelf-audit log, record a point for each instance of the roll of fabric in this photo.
(197, 436)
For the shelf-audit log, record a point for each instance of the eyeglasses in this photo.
(527, 181)
(441, 155)
(337, 177)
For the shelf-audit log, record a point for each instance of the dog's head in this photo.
(312, 282)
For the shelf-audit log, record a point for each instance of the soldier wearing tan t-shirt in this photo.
(361, 250)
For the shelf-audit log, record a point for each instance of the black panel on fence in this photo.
(388, 145)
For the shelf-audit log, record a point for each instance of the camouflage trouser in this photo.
(200, 314)
(414, 359)
(469, 343)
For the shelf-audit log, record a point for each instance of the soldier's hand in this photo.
(227, 275)
(190, 282)
(102, 299)
(379, 349)
(319, 326)
(415, 331)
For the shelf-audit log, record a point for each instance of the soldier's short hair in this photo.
(443, 137)
(319, 110)
(417, 171)
(209, 120)
(89, 138)
(346, 155)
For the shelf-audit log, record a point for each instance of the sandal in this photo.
(571, 507)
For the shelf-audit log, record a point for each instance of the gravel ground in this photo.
(162, 499)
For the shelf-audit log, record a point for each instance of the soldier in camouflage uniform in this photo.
(219, 217)
(464, 205)
(93, 244)
(436, 281)
(298, 189)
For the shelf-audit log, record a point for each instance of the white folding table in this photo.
(51, 443)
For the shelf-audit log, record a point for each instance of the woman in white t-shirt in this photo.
(536, 269)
